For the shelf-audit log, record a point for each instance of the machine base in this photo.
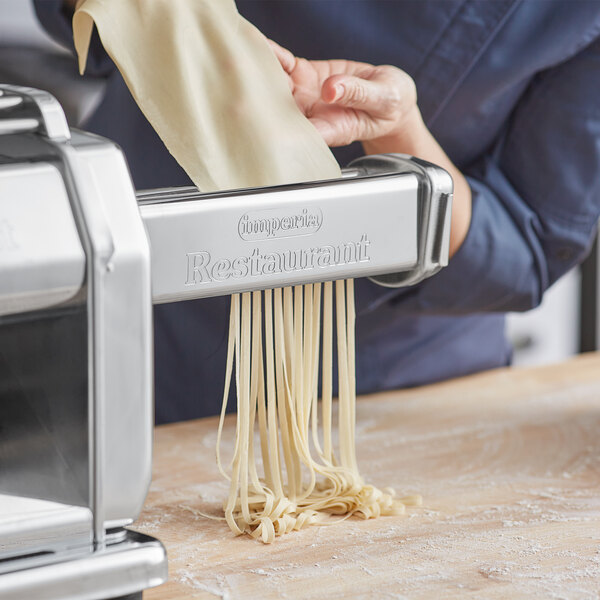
(120, 571)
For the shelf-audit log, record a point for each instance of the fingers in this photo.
(384, 92)
(365, 105)
(326, 129)
(351, 92)
(284, 56)
(341, 129)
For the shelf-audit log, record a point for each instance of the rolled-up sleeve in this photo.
(536, 199)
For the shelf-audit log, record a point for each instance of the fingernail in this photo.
(339, 92)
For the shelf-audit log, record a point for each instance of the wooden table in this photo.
(508, 463)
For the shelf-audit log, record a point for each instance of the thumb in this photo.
(350, 91)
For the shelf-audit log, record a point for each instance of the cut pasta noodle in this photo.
(278, 345)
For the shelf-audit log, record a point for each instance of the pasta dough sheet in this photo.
(211, 87)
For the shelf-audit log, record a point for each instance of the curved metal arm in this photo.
(435, 214)
(24, 109)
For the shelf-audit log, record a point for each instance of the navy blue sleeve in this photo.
(56, 19)
(536, 199)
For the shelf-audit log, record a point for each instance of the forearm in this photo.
(415, 139)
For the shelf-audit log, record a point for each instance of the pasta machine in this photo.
(82, 259)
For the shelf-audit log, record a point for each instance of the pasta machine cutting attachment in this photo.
(82, 259)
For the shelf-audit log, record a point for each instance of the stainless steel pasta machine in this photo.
(82, 259)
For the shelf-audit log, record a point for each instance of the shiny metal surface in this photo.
(11, 126)
(121, 326)
(9, 101)
(435, 214)
(30, 526)
(82, 439)
(42, 262)
(175, 194)
(40, 107)
(137, 563)
(43, 406)
(253, 239)
(113, 259)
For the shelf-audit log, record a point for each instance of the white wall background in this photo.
(549, 333)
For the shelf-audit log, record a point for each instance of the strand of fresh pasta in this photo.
(327, 370)
(277, 343)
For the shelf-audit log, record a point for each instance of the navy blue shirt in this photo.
(509, 88)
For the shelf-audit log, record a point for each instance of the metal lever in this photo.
(26, 110)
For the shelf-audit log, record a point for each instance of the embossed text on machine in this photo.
(203, 268)
(279, 222)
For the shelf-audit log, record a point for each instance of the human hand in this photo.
(348, 101)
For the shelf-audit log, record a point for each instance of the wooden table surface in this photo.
(507, 462)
